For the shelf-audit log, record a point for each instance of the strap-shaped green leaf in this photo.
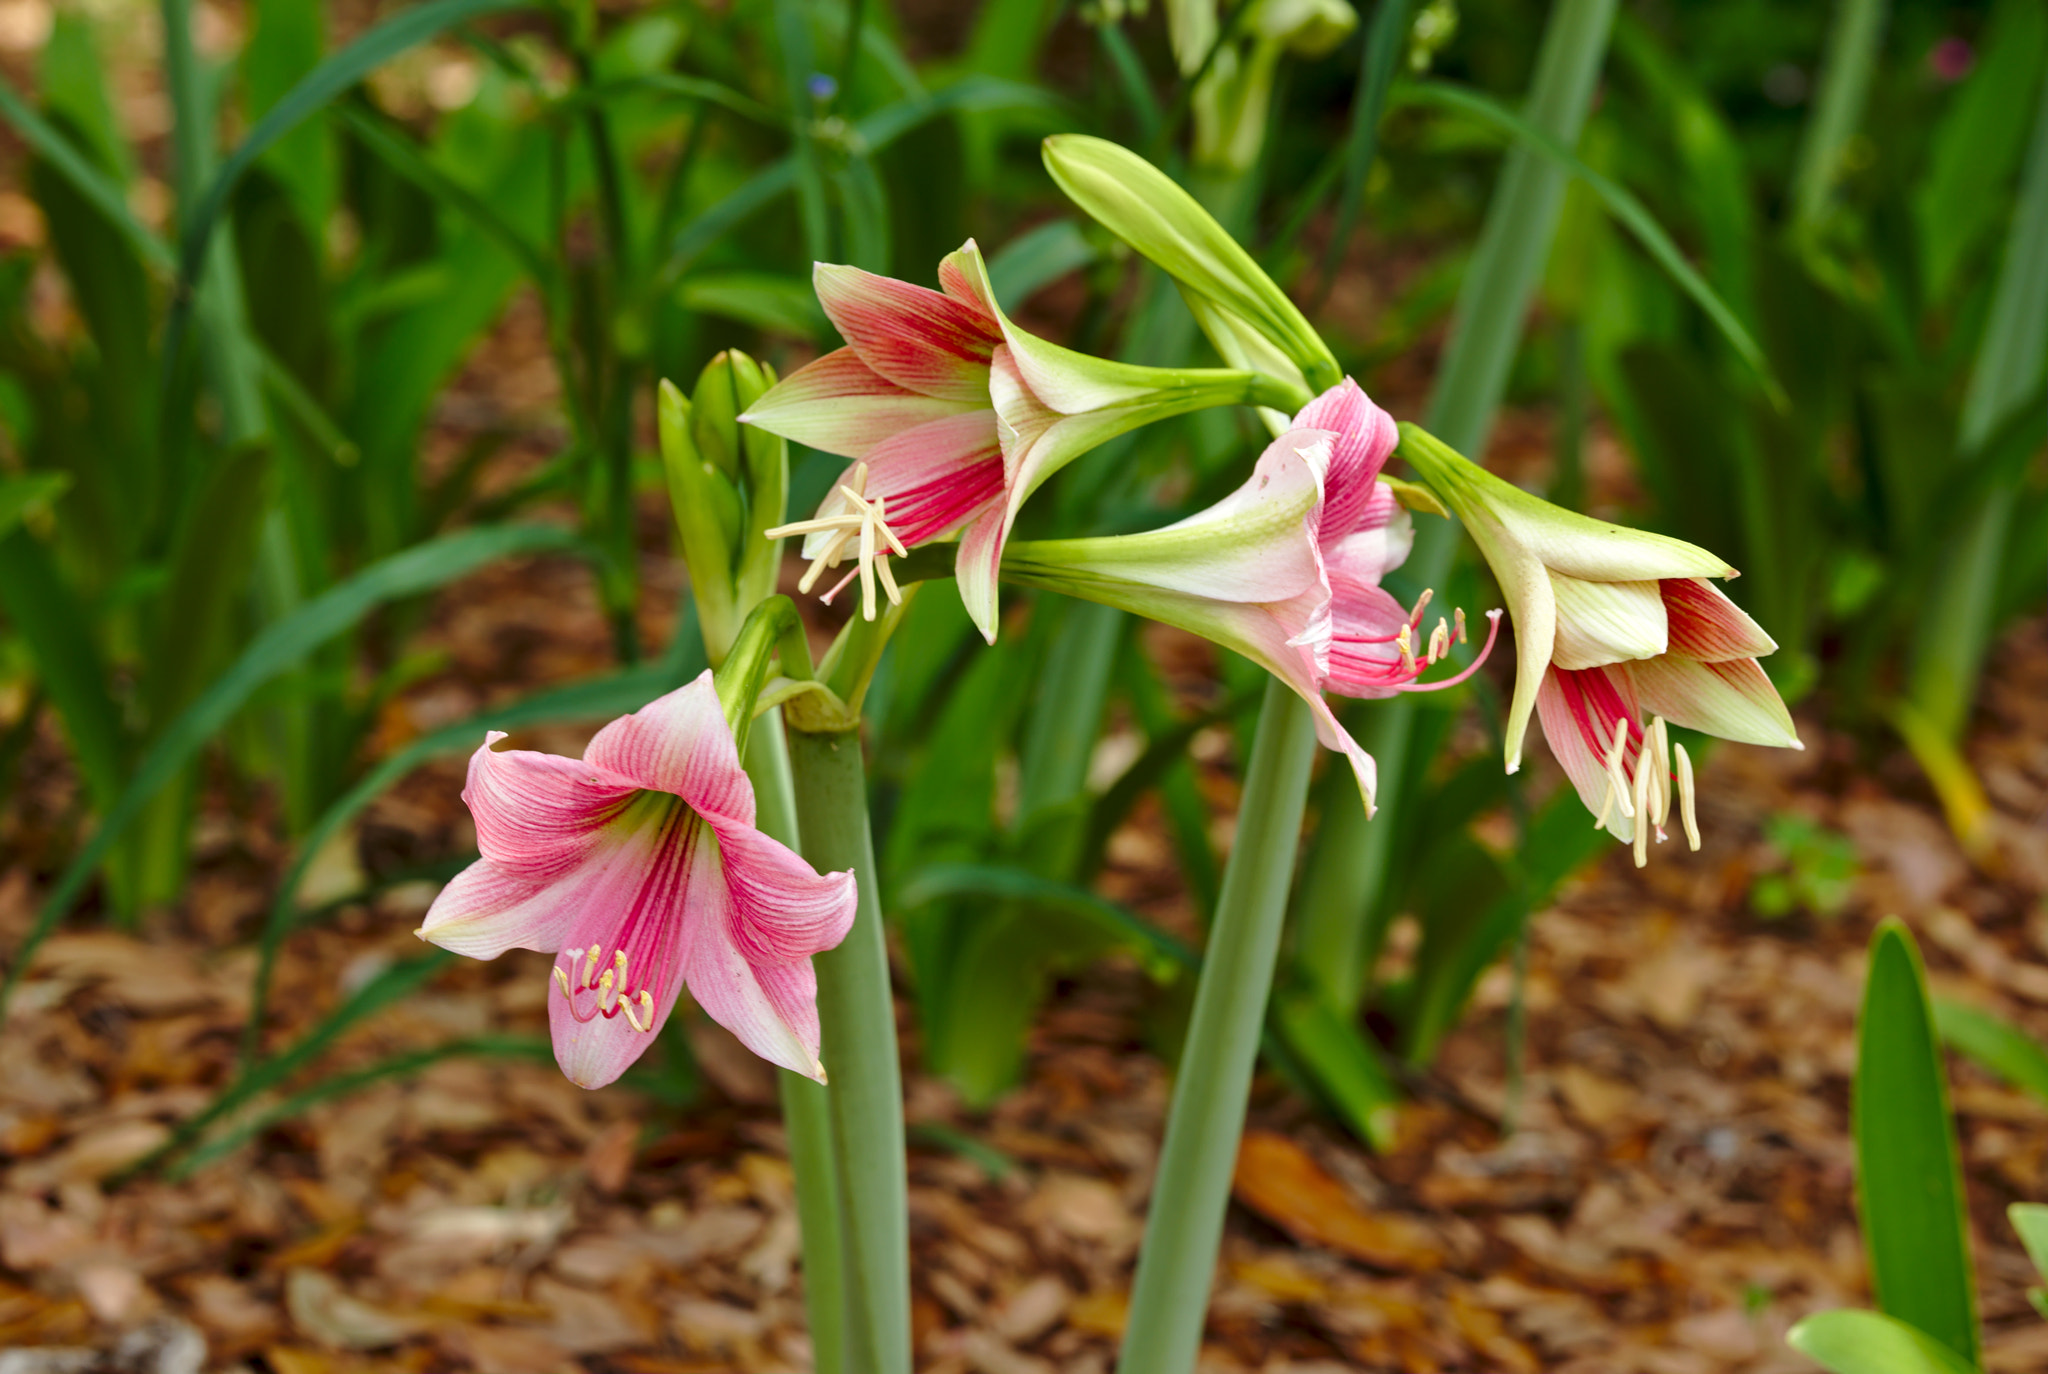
(1996, 1043)
(88, 180)
(1853, 1342)
(281, 645)
(1909, 1187)
(1619, 202)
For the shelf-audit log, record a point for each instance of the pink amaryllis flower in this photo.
(1286, 570)
(1616, 631)
(953, 416)
(639, 867)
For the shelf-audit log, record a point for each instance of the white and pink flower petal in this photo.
(540, 815)
(936, 476)
(841, 405)
(679, 743)
(1706, 625)
(920, 339)
(1365, 438)
(781, 908)
(770, 1007)
(1733, 699)
(484, 911)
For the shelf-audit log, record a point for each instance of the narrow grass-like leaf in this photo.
(1385, 41)
(877, 131)
(42, 610)
(1347, 1067)
(341, 1085)
(88, 180)
(1909, 1188)
(1852, 1342)
(1037, 258)
(1846, 70)
(1621, 204)
(321, 85)
(279, 647)
(996, 882)
(1995, 1043)
(396, 982)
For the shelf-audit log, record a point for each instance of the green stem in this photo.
(1171, 1295)
(858, 1017)
(806, 1106)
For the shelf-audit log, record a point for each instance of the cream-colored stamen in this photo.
(1685, 797)
(1645, 766)
(1617, 777)
(1660, 783)
(589, 965)
(855, 515)
(1406, 643)
(562, 982)
(646, 1001)
(1459, 615)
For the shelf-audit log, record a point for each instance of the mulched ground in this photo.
(1676, 1190)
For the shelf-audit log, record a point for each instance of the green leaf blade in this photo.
(1909, 1184)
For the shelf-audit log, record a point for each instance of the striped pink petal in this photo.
(679, 743)
(922, 340)
(1365, 436)
(539, 815)
(1579, 711)
(938, 475)
(1706, 625)
(841, 405)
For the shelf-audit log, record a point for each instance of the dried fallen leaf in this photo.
(324, 1311)
(1282, 1183)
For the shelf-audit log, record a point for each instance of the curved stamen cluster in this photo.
(1646, 797)
(1363, 665)
(612, 989)
(850, 513)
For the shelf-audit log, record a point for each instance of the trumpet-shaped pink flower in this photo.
(1285, 570)
(953, 416)
(1616, 632)
(639, 867)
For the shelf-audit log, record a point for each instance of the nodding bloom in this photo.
(639, 868)
(1616, 632)
(953, 416)
(1285, 570)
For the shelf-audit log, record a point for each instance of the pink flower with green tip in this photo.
(1285, 570)
(1616, 632)
(957, 416)
(639, 867)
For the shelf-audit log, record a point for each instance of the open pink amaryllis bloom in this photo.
(639, 867)
(1616, 631)
(1285, 570)
(953, 416)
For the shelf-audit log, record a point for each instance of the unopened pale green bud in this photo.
(1148, 210)
(714, 415)
(709, 520)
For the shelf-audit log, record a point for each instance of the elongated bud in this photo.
(708, 520)
(714, 414)
(745, 671)
(765, 464)
(1148, 210)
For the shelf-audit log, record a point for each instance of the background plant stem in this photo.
(866, 1091)
(1185, 1224)
(1343, 906)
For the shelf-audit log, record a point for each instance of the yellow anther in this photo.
(605, 993)
(1685, 797)
(562, 982)
(1459, 615)
(1439, 640)
(646, 1001)
(589, 966)
(1406, 644)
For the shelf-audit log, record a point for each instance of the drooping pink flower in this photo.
(953, 416)
(639, 867)
(1285, 570)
